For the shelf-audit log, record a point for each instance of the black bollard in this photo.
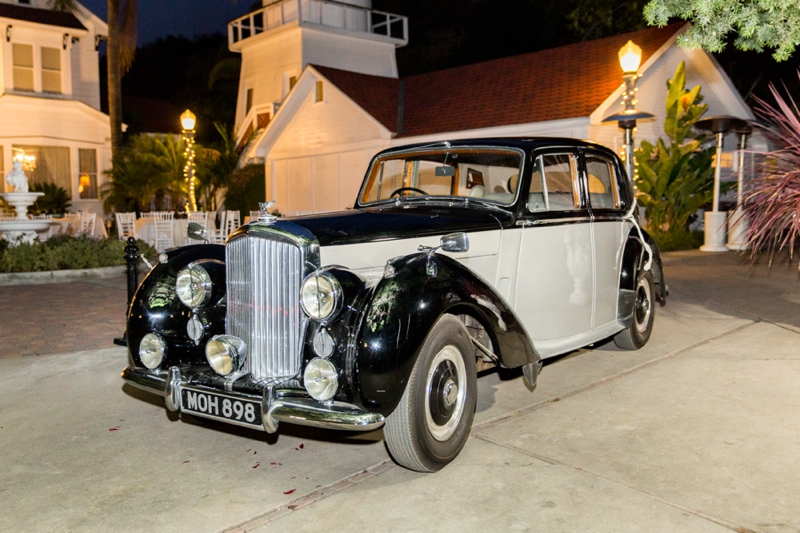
(131, 257)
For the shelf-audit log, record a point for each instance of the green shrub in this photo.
(672, 241)
(56, 200)
(64, 252)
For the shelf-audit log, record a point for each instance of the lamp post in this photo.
(188, 120)
(715, 220)
(630, 56)
(737, 224)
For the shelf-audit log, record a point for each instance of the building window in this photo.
(320, 96)
(292, 82)
(248, 101)
(51, 70)
(87, 178)
(45, 164)
(23, 66)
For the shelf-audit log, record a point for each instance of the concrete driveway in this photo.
(698, 431)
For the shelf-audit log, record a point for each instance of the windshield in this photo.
(486, 174)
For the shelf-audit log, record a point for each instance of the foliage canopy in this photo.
(760, 24)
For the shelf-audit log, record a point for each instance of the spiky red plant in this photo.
(772, 205)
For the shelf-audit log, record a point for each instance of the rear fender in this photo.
(634, 258)
(402, 310)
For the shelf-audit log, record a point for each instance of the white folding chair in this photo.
(126, 225)
(199, 217)
(162, 224)
(87, 221)
(219, 235)
(231, 222)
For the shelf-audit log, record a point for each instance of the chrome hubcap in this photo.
(643, 306)
(444, 398)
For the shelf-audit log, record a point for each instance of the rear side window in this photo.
(602, 183)
(553, 184)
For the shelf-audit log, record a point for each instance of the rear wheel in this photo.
(638, 333)
(432, 422)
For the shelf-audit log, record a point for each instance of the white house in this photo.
(319, 88)
(50, 98)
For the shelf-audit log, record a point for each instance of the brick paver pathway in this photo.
(61, 317)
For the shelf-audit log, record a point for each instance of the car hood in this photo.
(397, 223)
(364, 239)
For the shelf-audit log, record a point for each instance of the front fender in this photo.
(401, 312)
(156, 308)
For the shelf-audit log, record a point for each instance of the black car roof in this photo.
(522, 143)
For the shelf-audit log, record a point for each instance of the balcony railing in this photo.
(327, 13)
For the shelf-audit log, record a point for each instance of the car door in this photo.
(555, 279)
(607, 204)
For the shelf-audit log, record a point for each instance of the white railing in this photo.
(328, 13)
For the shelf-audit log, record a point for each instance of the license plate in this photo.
(221, 407)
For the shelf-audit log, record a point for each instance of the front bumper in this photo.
(277, 405)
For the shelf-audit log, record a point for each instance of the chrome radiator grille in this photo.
(264, 279)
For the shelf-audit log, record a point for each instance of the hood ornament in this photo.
(265, 216)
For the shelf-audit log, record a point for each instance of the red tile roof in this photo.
(559, 83)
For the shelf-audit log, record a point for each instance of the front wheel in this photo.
(638, 333)
(433, 419)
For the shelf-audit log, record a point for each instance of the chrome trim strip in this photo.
(553, 221)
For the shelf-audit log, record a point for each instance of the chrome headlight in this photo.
(320, 295)
(321, 379)
(226, 354)
(152, 350)
(193, 286)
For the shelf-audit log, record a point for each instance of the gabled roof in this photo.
(41, 16)
(560, 83)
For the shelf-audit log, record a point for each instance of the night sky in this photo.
(158, 18)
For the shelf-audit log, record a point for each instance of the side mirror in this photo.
(455, 242)
(196, 232)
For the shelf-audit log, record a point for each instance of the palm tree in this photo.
(121, 50)
(148, 167)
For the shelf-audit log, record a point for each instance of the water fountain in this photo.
(21, 228)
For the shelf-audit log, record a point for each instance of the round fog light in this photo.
(226, 354)
(151, 350)
(321, 379)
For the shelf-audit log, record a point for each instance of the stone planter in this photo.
(57, 276)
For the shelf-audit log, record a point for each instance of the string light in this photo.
(188, 124)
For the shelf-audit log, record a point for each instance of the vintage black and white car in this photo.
(457, 256)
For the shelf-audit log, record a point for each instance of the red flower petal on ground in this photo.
(290, 491)
(185, 462)
(256, 465)
(114, 429)
(302, 445)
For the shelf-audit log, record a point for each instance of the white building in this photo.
(319, 88)
(50, 98)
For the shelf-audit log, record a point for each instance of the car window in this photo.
(602, 183)
(491, 175)
(553, 184)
